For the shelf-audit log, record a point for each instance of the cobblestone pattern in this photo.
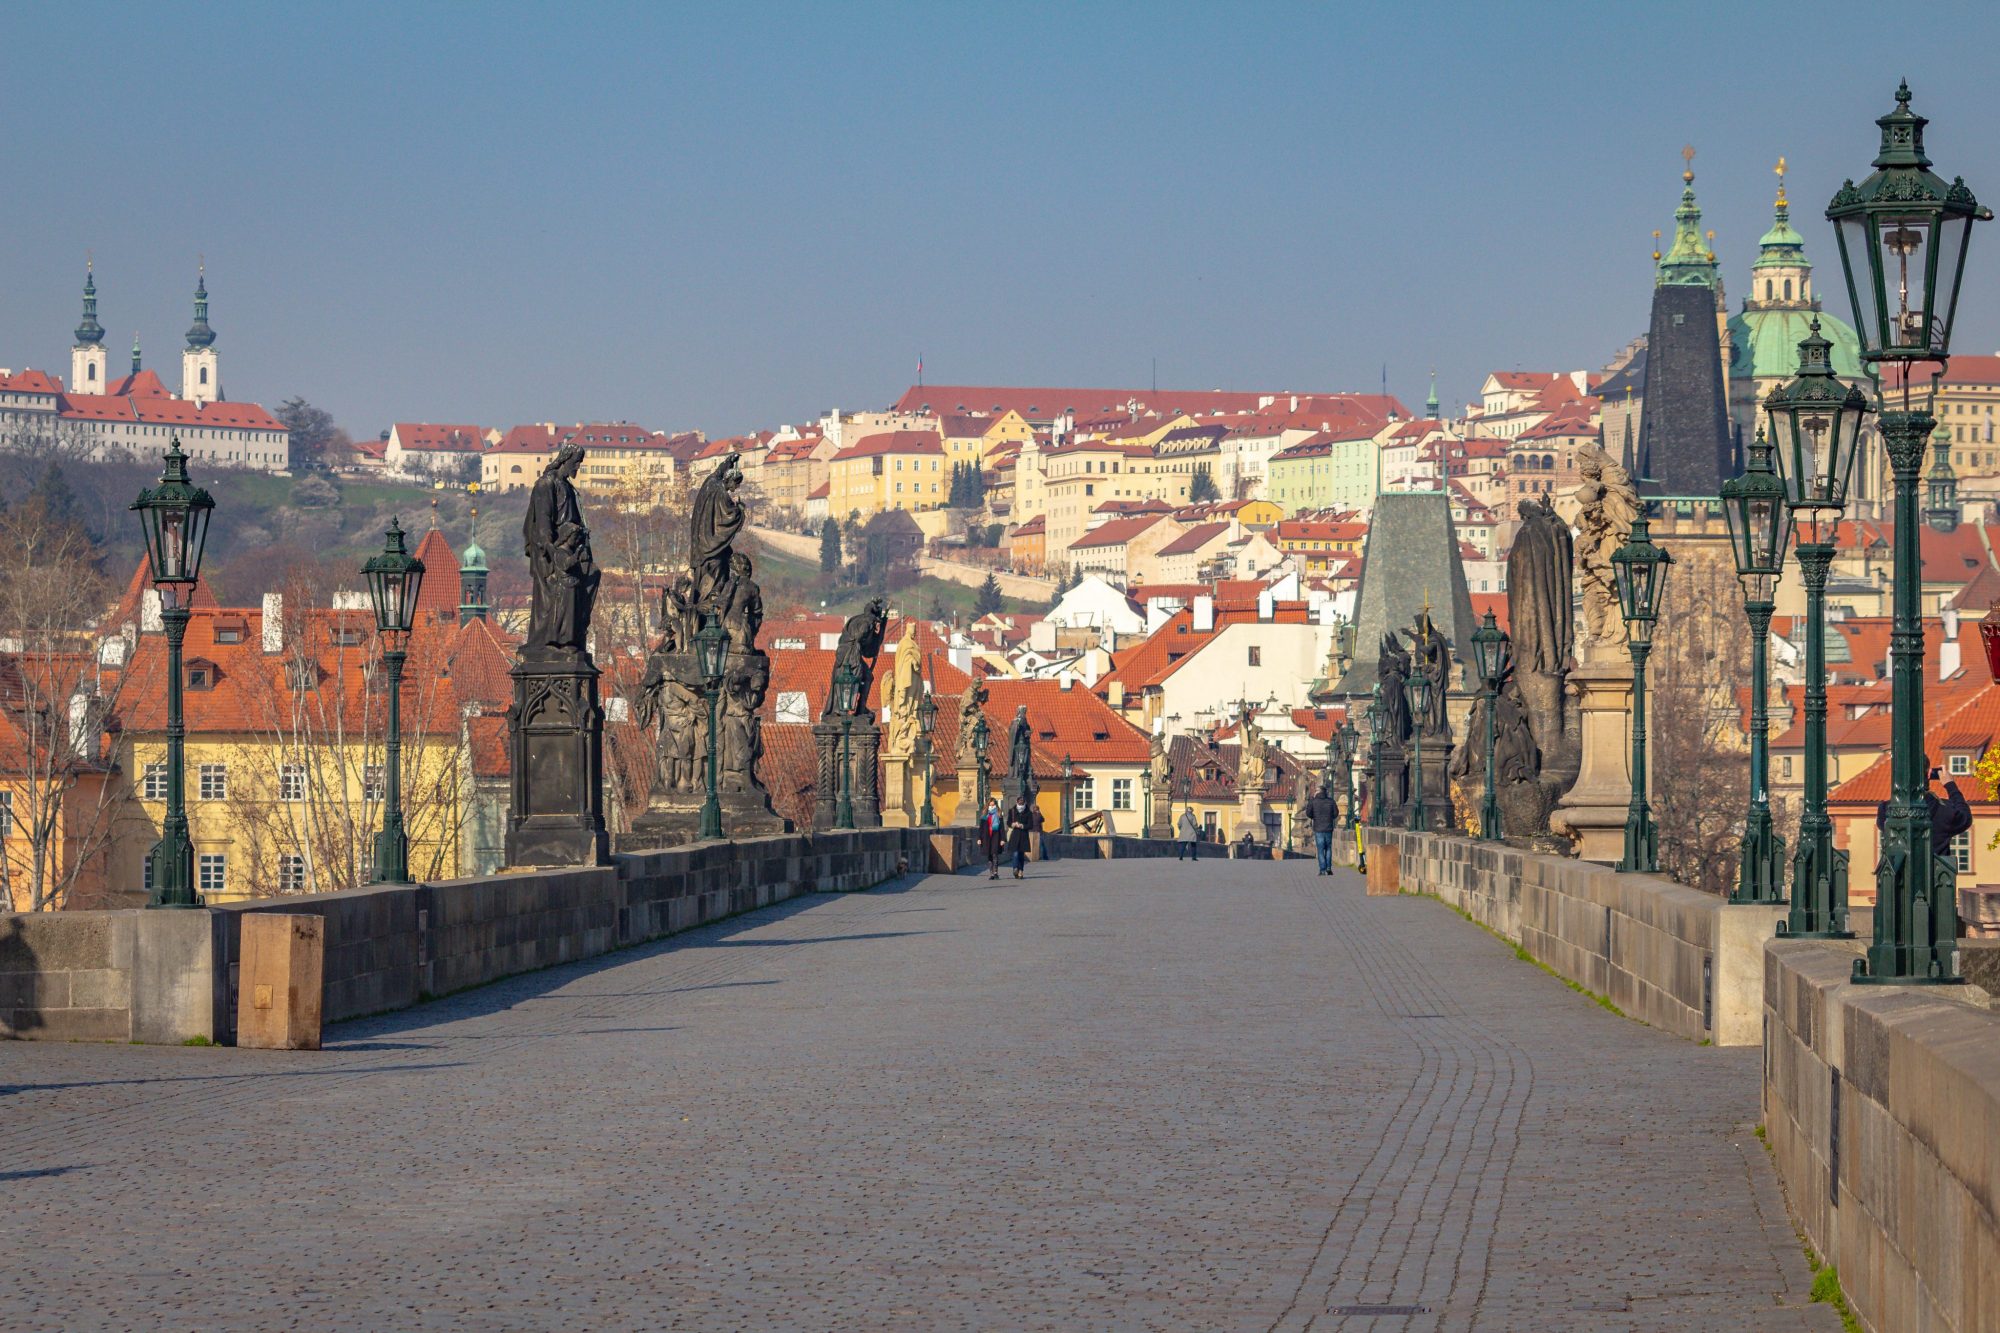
(1116, 1095)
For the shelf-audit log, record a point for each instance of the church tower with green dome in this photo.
(1777, 315)
(88, 371)
(472, 577)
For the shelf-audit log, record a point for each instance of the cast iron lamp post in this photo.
(1493, 656)
(174, 516)
(1640, 567)
(711, 648)
(1816, 427)
(394, 579)
(1349, 740)
(1146, 795)
(1759, 529)
(1418, 688)
(982, 736)
(1903, 235)
(846, 694)
(1068, 792)
(926, 721)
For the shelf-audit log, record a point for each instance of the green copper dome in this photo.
(472, 560)
(1764, 344)
(1689, 262)
(1781, 247)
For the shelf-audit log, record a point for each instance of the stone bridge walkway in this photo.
(1124, 1095)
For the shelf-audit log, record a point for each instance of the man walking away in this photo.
(1020, 823)
(1324, 812)
(992, 831)
(1190, 833)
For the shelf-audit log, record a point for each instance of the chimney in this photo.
(79, 724)
(1204, 613)
(1116, 694)
(1065, 680)
(1266, 604)
(828, 641)
(273, 634)
(958, 657)
(149, 612)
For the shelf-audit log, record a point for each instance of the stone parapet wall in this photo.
(1089, 847)
(1665, 954)
(170, 976)
(1879, 1105)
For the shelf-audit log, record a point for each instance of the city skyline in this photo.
(789, 216)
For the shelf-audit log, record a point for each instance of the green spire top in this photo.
(201, 335)
(1781, 247)
(1689, 262)
(1431, 403)
(89, 333)
(135, 354)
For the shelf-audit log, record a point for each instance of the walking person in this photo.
(1021, 820)
(1190, 833)
(992, 832)
(1324, 812)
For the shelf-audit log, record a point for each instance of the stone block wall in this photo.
(1879, 1105)
(1667, 955)
(168, 976)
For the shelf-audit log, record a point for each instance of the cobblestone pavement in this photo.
(1125, 1095)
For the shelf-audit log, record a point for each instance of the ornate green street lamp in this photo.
(846, 695)
(1493, 657)
(1068, 792)
(1759, 530)
(1903, 235)
(1146, 795)
(394, 579)
(1376, 722)
(711, 650)
(926, 722)
(1418, 689)
(982, 736)
(1816, 424)
(174, 516)
(1349, 741)
(1640, 567)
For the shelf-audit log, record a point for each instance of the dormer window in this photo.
(201, 675)
(346, 636)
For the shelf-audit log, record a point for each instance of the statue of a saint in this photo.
(901, 693)
(678, 621)
(742, 603)
(742, 740)
(1156, 758)
(1539, 618)
(1252, 761)
(860, 641)
(1392, 666)
(1431, 657)
(559, 561)
(1607, 502)
(718, 516)
(971, 707)
(1020, 751)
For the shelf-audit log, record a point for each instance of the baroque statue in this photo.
(1020, 752)
(1607, 502)
(1430, 655)
(902, 691)
(1392, 666)
(560, 565)
(860, 643)
(971, 707)
(1253, 762)
(718, 516)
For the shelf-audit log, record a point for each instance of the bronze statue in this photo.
(971, 707)
(1392, 666)
(718, 516)
(1431, 657)
(860, 643)
(1020, 751)
(559, 560)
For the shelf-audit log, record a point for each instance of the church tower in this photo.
(472, 577)
(87, 370)
(135, 356)
(1941, 484)
(201, 377)
(1685, 444)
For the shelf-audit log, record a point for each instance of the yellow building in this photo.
(285, 765)
(969, 439)
(894, 469)
(617, 456)
(1077, 478)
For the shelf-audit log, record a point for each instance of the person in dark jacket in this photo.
(992, 834)
(1949, 817)
(1190, 834)
(1021, 820)
(1324, 812)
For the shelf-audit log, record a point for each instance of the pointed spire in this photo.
(200, 335)
(1941, 484)
(135, 354)
(1431, 403)
(1689, 261)
(89, 333)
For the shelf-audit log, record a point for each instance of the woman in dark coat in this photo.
(1021, 821)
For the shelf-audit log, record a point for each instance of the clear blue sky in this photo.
(730, 216)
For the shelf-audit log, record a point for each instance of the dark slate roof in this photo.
(1685, 443)
(1412, 549)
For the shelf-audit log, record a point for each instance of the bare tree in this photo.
(57, 792)
(1696, 746)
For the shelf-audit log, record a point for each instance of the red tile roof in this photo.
(893, 442)
(1194, 539)
(1114, 532)
(440, 437)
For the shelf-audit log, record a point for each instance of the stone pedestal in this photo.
(555, 740)
(673, 813)
(967, 813)
(1249, 816)
(279, 988)
(1395, 788)
(1592, 814)
(1440, 815)
(902, 791)
(863, 739)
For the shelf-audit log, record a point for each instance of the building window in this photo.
(1121, 793)
(1256, 655)
(292, 782)
(1959, 765)
(6, 814)
(154, 784)
(1961, 851)
(214, 871)
(291, 873)
(374, 783)
(214, 782)
(1785, 767)
(1086, 793)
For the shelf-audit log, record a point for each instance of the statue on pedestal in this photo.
(972, 706)
(1020, 754)
(902, 691)
(555, 725)
(717, 517)
(1607, 502)
(860, 643)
